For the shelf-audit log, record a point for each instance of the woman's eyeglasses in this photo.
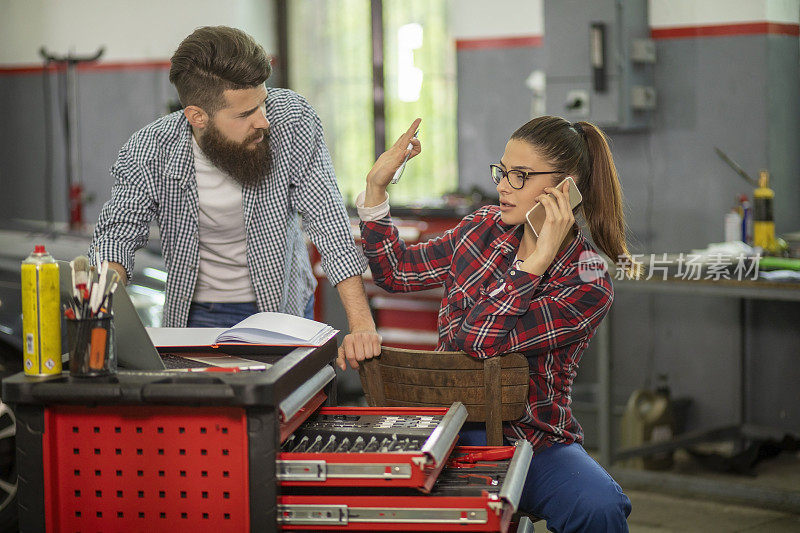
(516, 178)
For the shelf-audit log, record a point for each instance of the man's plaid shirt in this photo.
(155, 179)
(491, 308)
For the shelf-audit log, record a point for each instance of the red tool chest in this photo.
(246, 451)
(160, 451)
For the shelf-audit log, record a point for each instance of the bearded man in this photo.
(228, 179)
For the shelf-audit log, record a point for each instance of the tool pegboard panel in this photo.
(128, 468)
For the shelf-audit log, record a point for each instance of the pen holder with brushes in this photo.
(91, 346)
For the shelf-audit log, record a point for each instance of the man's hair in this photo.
(213, 59)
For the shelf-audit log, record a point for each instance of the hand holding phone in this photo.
(536, 216)
(399, 171)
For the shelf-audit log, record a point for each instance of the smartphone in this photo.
(399, 171)
(537, 214)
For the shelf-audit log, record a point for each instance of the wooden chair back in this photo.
(493, 390)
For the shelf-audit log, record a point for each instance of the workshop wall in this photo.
(499, 46)
(726, 75)
(125, 90)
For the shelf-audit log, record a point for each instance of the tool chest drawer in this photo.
(370, 447)
(478, 490)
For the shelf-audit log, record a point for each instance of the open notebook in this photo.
(135, 350)
(261, 329)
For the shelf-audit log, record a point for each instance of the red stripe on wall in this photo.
(726, 30)
(87, 67)
(499, 42)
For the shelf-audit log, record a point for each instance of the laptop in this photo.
(135, 349)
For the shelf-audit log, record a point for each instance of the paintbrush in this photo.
(99, 288)
(112, 279)
(80, 271)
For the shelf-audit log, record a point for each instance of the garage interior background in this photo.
(727, 74)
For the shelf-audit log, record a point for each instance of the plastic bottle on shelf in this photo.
(733, 226)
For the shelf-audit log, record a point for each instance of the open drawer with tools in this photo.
(478, 490)
(370, 447)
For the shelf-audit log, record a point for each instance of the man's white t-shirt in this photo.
(223, 274)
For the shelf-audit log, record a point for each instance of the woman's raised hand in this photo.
(387, 164)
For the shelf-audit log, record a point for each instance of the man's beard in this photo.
(248, 166)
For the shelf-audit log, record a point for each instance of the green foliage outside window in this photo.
(330, 60)
(435, 171)
(331, 65)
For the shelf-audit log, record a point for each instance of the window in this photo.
(330, 53)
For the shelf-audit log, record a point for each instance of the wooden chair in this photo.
(493, 390)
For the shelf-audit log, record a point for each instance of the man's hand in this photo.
(363, 342)
(119, 269)
(358, 346)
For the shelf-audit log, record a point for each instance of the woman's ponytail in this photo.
(602, 200)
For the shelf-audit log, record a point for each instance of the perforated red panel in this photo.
(131, 468)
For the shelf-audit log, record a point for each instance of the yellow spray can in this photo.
(41, 314)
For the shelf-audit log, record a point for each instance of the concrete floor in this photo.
(657, 510)
(653, 512)
(670, 508)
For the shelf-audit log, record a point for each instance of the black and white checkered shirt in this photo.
(155, 179)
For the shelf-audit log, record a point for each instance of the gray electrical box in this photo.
(599, 62)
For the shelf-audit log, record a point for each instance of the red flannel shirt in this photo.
(491, 308)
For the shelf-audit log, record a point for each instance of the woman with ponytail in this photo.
(509, 290)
